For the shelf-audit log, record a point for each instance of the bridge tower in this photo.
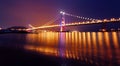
(62, 21)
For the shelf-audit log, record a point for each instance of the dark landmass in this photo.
(15, 29)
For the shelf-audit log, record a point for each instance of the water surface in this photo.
(98, 48)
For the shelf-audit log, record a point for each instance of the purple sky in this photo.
(39, 12)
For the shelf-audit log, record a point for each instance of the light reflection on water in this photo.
(101, 48)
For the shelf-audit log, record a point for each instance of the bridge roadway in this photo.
(103, 22)
(85, 28)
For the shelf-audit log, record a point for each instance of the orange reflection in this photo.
(31, 38)
(100, 40)
(94, 44)
(94, 40)
(84, 39)
(76, 45)
(89, 39)
(101, 46)
(116, 45)
(108, 48)
(107, 39)
(91, 47)
(73, 38)
(115, 40)
(84, 44)
(119, 38)
(80, 40)
(67, 39)
(89, 44)
(80, 44)
(45, 50)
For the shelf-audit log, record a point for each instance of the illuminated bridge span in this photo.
(89, 21)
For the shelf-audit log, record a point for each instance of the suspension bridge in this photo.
(89, 21)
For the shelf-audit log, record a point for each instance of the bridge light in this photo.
(112, 29)
(76, 23)
(83, 18)
(119, 19)
(90, 18)
(77, 16)
(61, 12)
(99, 20)
(118, 28)
(93, 21)
(88, 22)
(69, 24)
(113, 19)
(74, 31)
(105, 20)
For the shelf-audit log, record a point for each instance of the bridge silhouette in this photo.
(89, 21)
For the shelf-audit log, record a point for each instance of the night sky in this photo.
(39, 12)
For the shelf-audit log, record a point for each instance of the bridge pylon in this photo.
(62, 21)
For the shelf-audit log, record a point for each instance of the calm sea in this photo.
(99, 48)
